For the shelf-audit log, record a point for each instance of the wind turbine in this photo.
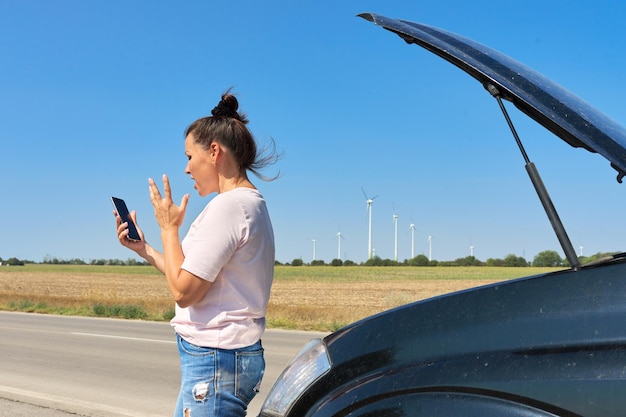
(430, 248)
(395, 230)
(314, 255)
(339, 237)
(369, 210)
(412, 227)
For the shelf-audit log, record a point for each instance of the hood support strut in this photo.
(540, 188)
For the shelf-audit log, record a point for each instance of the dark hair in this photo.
(227, 126)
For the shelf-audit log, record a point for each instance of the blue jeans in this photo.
(218, 382)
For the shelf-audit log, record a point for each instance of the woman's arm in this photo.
(186, 288)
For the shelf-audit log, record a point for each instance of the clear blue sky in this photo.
(95, 97)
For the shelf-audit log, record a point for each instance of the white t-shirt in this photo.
(231, 244)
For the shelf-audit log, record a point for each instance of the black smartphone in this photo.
(122, 210)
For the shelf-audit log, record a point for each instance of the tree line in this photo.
(74, 261)
(547, 258)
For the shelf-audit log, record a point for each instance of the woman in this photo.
(221, 273)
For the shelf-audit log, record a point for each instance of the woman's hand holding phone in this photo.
(128, 233)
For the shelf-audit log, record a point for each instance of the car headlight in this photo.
(304, 369)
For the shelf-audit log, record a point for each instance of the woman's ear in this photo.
(216, 151)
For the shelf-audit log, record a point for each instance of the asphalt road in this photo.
(53, 366)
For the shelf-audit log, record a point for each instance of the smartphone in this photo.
(122, 210)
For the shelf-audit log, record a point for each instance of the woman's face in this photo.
(201, 167)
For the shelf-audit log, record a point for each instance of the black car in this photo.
(545, 345)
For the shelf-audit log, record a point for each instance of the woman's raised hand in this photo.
(167, 214)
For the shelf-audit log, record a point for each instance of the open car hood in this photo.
(555, 108)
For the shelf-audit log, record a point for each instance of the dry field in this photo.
(310, 298)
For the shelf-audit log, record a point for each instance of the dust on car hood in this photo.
(558, 110)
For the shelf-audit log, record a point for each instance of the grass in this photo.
(321, 298)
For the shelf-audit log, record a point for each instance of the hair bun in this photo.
(227, 107)
(223, 109)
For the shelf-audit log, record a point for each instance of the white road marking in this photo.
(109, 336)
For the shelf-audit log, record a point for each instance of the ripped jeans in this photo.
(218, 382)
